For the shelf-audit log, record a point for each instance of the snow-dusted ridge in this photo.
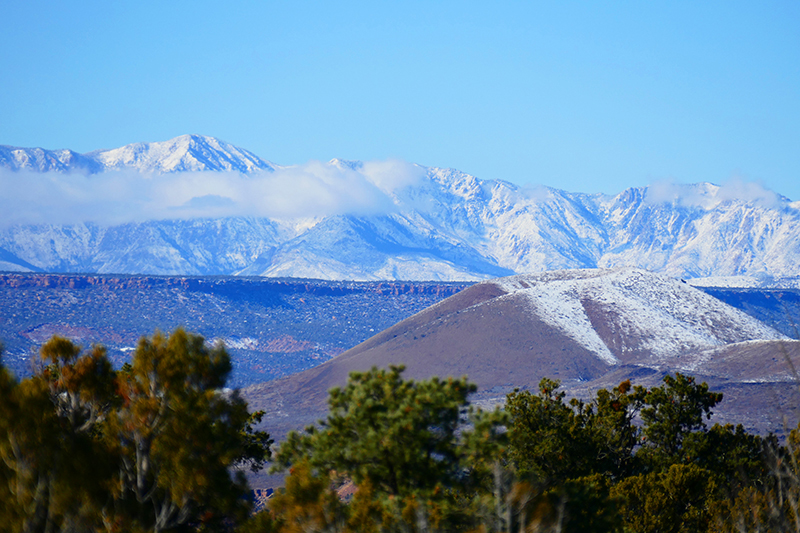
(181, 154)
(662, 317)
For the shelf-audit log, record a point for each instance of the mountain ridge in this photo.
(181, 154)
(443, 224)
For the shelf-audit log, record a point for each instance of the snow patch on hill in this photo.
(657, 314)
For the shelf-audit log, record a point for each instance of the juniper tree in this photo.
(57, 470)
(398, 435)
(178, 434)
(149, 448)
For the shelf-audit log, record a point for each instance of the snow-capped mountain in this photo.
(441, 225)
(41, 160)
(184, 153)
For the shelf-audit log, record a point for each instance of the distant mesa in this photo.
(271, 327)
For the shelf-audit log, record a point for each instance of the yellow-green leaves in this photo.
(149, 448)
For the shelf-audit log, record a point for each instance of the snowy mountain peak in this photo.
(184, 153)
(406, 222)
(345, 164)
(41, 160)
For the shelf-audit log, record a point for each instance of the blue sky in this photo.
(589, 97)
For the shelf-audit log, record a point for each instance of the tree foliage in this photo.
(675, 500)
(49, 438)
(399, 441)
(671, 413)
(148, 448)
(160, 445)
(669, 468)
(398, 435)
(554, 440)
(630, 459)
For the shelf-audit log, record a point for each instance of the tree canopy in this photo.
(630, 459)
(161, 445)
(148, 448)
(398, 435)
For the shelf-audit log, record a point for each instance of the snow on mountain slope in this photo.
(199, 246)
(582, 327)
(633, 316)
(434, 223)
(52, 247)
(701, 233)
(184, 153)
(520, 231)
(193, 246)
(41, 160)
(697, 233)
(374, 248)
(737, 238)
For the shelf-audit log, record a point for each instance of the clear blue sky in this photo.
(584, 96)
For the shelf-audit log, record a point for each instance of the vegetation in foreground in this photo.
(541, 464)
(160, 446)
(148, 448)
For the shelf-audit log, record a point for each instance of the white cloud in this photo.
(114, 197)
(393, 174)
(707, 195)
(749, 191)
(669, 192)
(536, 193)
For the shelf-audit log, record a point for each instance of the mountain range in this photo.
(440, 224)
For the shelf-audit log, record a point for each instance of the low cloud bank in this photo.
(309, 190)
(115, 197)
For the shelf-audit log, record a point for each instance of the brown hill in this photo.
(588, 328)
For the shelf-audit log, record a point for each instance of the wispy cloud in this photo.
(707, 195)
(749, 191)
(309, 190)
(312, 189)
